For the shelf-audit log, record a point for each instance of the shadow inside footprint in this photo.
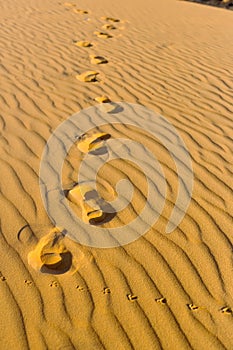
(59, 267)
(100, 151)
(88, 77)
(103, 35)
(102, 99)
(192, 307)
(110, 19)
(83, 43)
(82, 12)
(94, 142)
(111, 108)
(51, 254)
(95, 210)
(107, 217)
(162, 300)
(98, 59)
(226, 310)
(108, 27)
(132, 297)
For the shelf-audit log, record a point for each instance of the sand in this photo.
(163, 291)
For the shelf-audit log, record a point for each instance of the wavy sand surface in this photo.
(161, 291)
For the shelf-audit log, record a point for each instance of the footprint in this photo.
(161, 301)
(192, 307)
(82, 12)
(51, 255)
(88, 77)
(28, 283)
(226, 310)
(94, 208)
(110, 107)
(98, 59)
(110, 19)
(132, 297)
(88, 143)
(83, 43)
(69, 4)
(102, 99)
(108, 26)
(107, 290)
(103, 35)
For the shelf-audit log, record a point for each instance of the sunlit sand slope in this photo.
(163, 291)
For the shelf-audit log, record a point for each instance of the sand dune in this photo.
(163, 291)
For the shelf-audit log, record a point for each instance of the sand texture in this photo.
(163, 291)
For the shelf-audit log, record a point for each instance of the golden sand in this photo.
(163, 291)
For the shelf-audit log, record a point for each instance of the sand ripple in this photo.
(163, 291)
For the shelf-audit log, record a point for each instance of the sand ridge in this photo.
(162, 291)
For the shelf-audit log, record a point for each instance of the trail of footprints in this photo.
(92, 76)
(51, 257)
(226, 310)
(86, 145)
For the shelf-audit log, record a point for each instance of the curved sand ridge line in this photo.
(178, 66)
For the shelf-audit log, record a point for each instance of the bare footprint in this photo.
(98, 59)
(102, 99)
(103, 35)
(110, 107)
(69, 4)
(81, 12)
(83, 43)
(110, 19)
(89, 143)
(94, 208)
(88, 77)
(50, 254)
